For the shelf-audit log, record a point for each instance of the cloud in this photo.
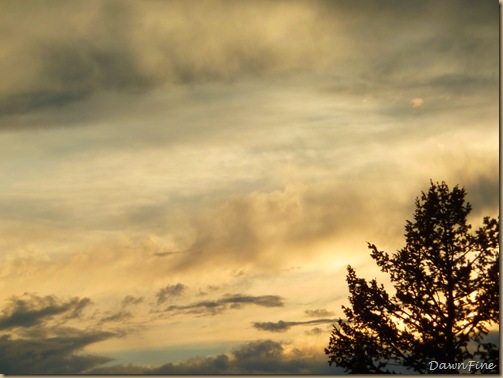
(262, 300)
(131, 300)
(211, 41)
(162, 254)
(62, 56)
(256, 357)
(209, 288)
(169, 292)
(483, 190)
(35, 338)
(227, 302)
(31, 310)
(318, 313)
(314, 332)
(51, 355)
(117, 317)
(252, 228)
(278, 217)
(212, 117)
(282, 326)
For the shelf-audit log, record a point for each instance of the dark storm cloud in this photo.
(58, 56)
(257, 357)
(282, 326)
(170, 292)
(227, 302)
(31, 310)
(50, 355)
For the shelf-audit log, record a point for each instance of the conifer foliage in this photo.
(446, 295)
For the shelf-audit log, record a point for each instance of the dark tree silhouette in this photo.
(446, 298)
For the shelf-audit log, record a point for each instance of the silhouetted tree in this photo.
(446, 283)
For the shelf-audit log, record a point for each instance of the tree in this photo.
(446, 298)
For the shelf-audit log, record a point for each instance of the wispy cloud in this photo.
(30, 310)
(117, 317)
(282, 326)
(314, 332)
(230, 301)
(162, 254)
(318, 313)
(169, 292)
(131, 300)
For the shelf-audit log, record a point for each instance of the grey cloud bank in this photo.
(124, 46)
(257, 357)
(35, 336)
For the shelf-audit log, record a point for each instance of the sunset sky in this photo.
(182, 184)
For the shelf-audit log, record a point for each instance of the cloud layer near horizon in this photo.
(257, 357)
(35, 337)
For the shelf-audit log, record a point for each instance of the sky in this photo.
(183, 184)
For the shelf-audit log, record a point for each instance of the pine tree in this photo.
(446, 298)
